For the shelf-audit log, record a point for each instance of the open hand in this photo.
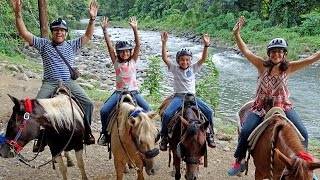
(206, 39)
(133, 22)
(93, 9)
(164, 37)
(237, 27)
(104, 23)
(16, 6)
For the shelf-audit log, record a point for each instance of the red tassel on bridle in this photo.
(305, 156)
(28, 105)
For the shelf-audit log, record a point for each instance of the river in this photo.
(237, 76)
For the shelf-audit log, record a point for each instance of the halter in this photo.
(148, 154)
(188, 159)
(13, 143)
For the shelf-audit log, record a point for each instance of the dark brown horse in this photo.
(188, 139)
(279, 153)
(62, 120)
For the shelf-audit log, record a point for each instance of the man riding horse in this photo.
(57, 54)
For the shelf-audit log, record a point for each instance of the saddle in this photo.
(254, 136)
(188, 101)
(125, 96)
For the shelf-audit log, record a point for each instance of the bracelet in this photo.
(92, 19)
(207, 45)
(105, 31)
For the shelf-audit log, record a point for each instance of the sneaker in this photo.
(235, 170)
(210, 141)
(164, 144)
(102, 140)
(89, 140)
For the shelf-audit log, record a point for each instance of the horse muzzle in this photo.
(5, 151)
(152, 153)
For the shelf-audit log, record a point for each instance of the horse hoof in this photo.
(70, 163)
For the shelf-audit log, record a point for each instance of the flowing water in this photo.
(237, 76)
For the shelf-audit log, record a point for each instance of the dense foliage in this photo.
(291, 19)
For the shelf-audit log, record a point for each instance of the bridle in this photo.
(143, 155)
(180, 147)
(13, 143)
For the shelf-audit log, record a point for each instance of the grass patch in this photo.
(18, 60)
(97, 95)
(314, 148)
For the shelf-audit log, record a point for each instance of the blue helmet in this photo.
(59, 23)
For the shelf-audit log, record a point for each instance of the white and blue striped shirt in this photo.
(54, 68)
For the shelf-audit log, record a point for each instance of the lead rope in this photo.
(131, 161)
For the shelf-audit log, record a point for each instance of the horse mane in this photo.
(289, 139)
(58, 112)
(144, 127)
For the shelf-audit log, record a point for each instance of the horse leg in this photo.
(69, 159)
(80, 164)
(62, 167)
(140, 170)
(119, 165)
(176, 163)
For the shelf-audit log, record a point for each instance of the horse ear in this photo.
(204, 126)
(132, 122)
(287, 161)
(184, 122)
(153, 114)
(314, 165)
(14, 100)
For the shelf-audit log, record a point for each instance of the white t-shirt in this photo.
(184, 79)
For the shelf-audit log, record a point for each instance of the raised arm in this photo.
(134, 24)
(206, 41)
(93, 14)
(254, 59)
(104, 25)
(297, 65)
(164, 39)
(24, 33)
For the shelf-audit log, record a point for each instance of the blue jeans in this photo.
(254, 120)
(112, 102)
(173, 107)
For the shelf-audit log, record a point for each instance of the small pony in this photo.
(133, 139)
(62, 120)
(187, 141)
(278, 152)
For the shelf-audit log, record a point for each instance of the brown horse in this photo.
(279, 153)
(188, 139)
(62, 120)
(133, 139)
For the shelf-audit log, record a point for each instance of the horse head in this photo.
(298, 166)
(23, 126)
(192, 145)
(143, 132)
